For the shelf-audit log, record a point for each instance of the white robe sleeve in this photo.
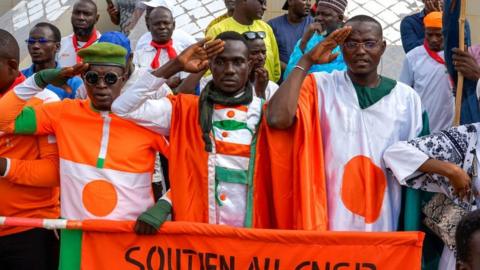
(404, 160)
(455, 145)
(272, 88)
(28, 89)
(136, 104)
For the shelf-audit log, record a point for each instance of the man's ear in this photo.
(12, 64)
(96, 19)
(384, 46)
(57, 46)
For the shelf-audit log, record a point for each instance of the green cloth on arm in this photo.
(70, 249)
(26, 122)
(368, 96)
(157, 214)
(50, 76)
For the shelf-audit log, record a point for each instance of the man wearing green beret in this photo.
(106, 162)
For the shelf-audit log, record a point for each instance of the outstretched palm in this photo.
(195, 58)
(323, 52)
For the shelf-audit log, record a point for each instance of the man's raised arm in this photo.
(282, 106)
(14, 116)
(136, 105)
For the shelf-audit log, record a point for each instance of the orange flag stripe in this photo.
(232, 149)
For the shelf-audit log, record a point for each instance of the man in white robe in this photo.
(424, 69)
(361, 114)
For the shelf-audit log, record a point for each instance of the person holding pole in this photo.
(466, 64)
(467, 109)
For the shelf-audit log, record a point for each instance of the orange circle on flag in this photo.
(230, 114)
(363, 188)
(99, 197)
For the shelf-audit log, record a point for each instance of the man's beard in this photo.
(83, 32)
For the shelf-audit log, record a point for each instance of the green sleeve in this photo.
(26, 121)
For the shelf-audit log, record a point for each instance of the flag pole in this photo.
(461, 34)
(64, 224)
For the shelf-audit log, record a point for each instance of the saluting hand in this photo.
(322, 53)
(59, 77)
(194, 59)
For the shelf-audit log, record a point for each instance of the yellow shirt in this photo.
(272, 63)
(215, 21)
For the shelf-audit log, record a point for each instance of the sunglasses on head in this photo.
(251, 35)
(92, 77)
(31, 41)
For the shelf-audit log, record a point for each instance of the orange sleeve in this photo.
(42, 172)
(10, 107)
(48, 116)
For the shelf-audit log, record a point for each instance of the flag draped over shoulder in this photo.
(286, 188)
(289, 182)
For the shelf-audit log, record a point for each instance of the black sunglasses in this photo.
(251, 35)
(109, 78)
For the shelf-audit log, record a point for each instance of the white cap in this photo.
(156, 3)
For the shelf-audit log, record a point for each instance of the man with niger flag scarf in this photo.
(424, 69)
(226, 166)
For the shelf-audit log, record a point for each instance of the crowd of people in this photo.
(285, 124)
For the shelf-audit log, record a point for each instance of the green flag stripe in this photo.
(100, 163)
(26, 121)
(230, 125)
(230, 175)
(70, 249)
(249, 213)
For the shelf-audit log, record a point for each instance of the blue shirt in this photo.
(288, 34)
(412, 31)
(337, 64)
(74, 83)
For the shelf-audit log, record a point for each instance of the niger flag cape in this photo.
(286, 181)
